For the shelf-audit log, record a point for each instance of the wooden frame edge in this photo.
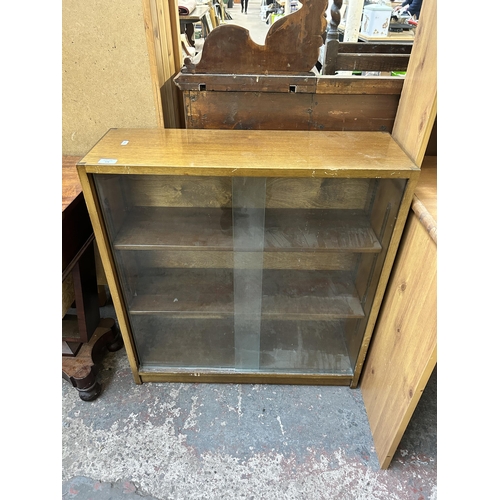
(419, 389)
(103, 245)
(403, 212)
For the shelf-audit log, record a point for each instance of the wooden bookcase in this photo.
(244, 255)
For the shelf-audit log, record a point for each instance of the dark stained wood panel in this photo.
(361, 85)
(374, 48)
(293, 84)
(354, 112)
(371, 62)
(291, 45)
(294, 111)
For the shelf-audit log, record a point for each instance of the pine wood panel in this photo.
(426, 190)
(418, 105)
(414, 122)
(165, 47)
(405, 341)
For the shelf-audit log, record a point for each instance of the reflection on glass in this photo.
(248, 274)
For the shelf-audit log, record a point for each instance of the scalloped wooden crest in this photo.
(291, 46)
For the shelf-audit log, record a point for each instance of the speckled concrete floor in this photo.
(232, 441)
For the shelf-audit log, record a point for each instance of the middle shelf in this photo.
(209, 293)
(286, 230)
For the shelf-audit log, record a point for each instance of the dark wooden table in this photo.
(84, 334)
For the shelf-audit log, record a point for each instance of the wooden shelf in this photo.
(285, 347)
(285, 230)
(208, 293)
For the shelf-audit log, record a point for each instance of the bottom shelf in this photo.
(174, 345)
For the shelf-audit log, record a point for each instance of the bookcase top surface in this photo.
(249, 153)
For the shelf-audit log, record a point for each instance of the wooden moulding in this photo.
(246, 378)
(290, 84)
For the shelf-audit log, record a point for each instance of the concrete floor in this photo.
(235, 441)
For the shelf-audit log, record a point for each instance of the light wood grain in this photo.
(165, 47)
(391, 385)
(404, 349)
(283, 153)
(426, 190)
(418, 105)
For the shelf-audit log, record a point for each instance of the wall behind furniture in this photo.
(109, 73)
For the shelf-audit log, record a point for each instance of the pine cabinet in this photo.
(247, 255)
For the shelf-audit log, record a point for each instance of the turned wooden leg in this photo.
(190, 33)
(80, 370)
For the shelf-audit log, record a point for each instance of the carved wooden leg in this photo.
(80, 370)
